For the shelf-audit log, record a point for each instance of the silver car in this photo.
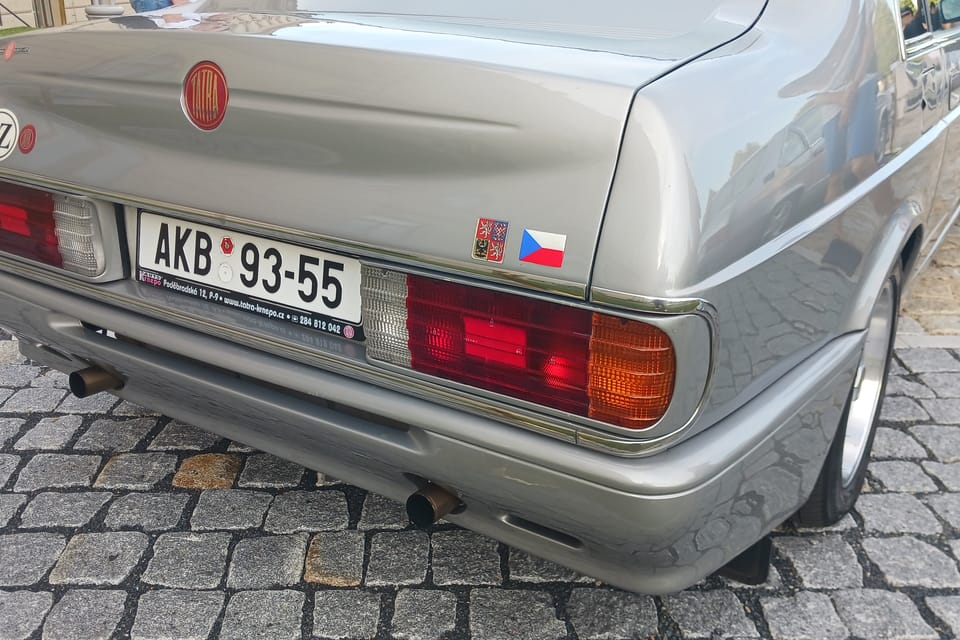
(614, 283)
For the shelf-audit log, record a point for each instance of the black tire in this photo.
(837, 491)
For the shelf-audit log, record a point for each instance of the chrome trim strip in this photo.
(646, 304)
(565, 288)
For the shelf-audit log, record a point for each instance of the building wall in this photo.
(22, 8)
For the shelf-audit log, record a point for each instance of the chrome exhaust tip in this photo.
(430, 504)
(91, 380)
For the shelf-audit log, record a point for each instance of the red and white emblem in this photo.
(9, 50)
(205, 96)
(28, 139)
(226, 245)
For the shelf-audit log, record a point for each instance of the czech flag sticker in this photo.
(540, 247)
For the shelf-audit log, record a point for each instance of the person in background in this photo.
(936, 24)
(912, 27)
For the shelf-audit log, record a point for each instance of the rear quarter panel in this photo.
(690, 213)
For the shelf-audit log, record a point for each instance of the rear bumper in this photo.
(654, 524)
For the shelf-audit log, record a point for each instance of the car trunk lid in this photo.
(376, 135)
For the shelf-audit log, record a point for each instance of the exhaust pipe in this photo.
(91, 380)
(430, 504)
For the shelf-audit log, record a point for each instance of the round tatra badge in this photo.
(205, 96)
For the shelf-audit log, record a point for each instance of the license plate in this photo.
(277, 280)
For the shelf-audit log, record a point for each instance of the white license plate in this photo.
(278, 280)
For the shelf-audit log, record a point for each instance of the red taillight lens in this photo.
(499, 342)
(616, 370)
(27, 225)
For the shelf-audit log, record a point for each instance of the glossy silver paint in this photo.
(698, 190)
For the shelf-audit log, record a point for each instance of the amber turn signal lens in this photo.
(632, 372)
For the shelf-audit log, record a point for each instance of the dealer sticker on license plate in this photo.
(277, 280)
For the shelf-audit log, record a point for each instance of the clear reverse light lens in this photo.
(78, 232)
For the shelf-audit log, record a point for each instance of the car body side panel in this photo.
(781, 288)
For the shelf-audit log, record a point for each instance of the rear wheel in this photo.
(843, 471)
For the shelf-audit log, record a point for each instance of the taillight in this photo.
(612, 369)
(55, 229)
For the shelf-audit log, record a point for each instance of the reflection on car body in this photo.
(599, 285)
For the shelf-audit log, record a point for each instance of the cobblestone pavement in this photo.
(932, 306)
(115, 522)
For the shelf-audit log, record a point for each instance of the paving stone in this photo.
(774, 582)
(56, 470)
(178, 436)
(230, 509)
(338, 615)
(700, 614)
(21, 613)
(947, 506)
(97, 403)
(945, 385)
(52, 378)
(8, 464)
(947, 608)
(893, 443)
(465, 557)
(948, 474)
(398, 558)
(325, 480)
(881, 615)
(907, 562)
(63, 509)
(4, 394)
(529, 568)
(115, 435)
(601, 614)
(508, 614)
(900, 409)
(901, 476)
(128, 409)
(33, 400)
(9, 427)
(262, 563)
(335, 558)
(927, 360)
(266, 471)
(188, 560)
(263, 615)
(26, 557)
(307, 511)
(85, 614)
(943, 441)
(943, 410)
(805, 616)
(899, 386)
(207, 471)
(17, 375)
(896, 513)
(137, 471)
(10, 353)
(239, 447)
(176, 615)
(9, 504)
(419, 614)
(822, 562)
(49, 433)
(99, 558)
(382, 513)
(146, 511)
